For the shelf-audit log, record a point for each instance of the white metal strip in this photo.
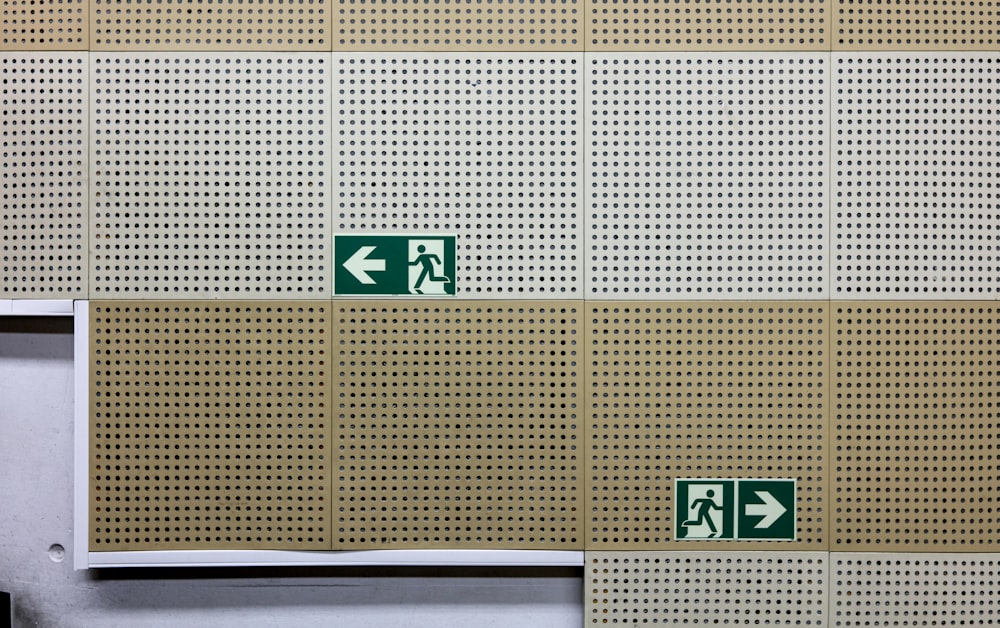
(234, 558)
(81, 434)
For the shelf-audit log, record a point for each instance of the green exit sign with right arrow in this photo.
(734, 509)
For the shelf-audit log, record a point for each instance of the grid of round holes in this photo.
(914, 590)
(289, 25)
(43, 25)
(715, 25)
(484, 147)
(458, 25)
(43, 173)
(916, 426)
(218, 188)
(209, 425)
(707, 176)
(707, 588)
(702, 390)
(940, 25)
(458, 425)
(917, 157)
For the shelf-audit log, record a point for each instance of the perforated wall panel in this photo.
(504, 25)
(915, 590)
(43, 175)
(43, 25)
(209, 425)
(210, 176)
(916, 151)
(917, 25)
(224, 25)
(702, 390)
(485, 147)
(707, 588)
(707, 176)
(917, 461)
(458, 424)
(708, 25)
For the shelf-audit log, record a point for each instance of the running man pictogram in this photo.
(427, 261)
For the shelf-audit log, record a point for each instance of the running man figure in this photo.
(427, 260)
(704, 505)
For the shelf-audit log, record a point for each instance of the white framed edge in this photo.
(361, 558)
(36, 307)
(81, 434)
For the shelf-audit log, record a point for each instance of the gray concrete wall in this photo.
(36, 513)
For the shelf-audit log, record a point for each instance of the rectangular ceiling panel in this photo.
(209, 425)
(199, 25)
(707, 588)
(917, 25)
(483, 147)
(458, 424)
(210, 176)
(458, 25)
(708, 25)
(43, 25)
(703, 390)
(43, 158)
(708, 176)
(915, 424)
(917, 153)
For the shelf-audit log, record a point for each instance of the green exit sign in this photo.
(734, 509)
(394, 265)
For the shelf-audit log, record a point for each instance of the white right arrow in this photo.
(771, 510)
(359, 265)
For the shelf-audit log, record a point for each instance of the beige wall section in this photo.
(458, 424)
(209, 425)
(712, 25)
(210, 25)
(954, 25)
(44, 25)
(915, 426)
(703, 390)
(458, 25)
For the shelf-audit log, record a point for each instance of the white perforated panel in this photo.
(915, 590)
(916, 150)
(210, 175)
(289, 25)
(707, 588)
(43, 175)
(553, 25)
(485, 147)
(707, 176)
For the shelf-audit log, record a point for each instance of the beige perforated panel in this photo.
(707, 588)
(914, 590)
(458, 424)
(917, 25)
(209, 425)
(553, 25)
(210, 175)
(916, 427)
(43, 175)
(223, 25)
(708, 25)
(43, 25)
(703, 390)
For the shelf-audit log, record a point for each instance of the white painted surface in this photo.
(36, 511)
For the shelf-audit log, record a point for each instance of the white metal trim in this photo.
(36, 307)
(81, 434)
(237, 558)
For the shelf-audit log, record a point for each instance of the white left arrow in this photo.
(359, 265)
(771, 510)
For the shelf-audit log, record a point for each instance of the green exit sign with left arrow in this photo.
(394, 265)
